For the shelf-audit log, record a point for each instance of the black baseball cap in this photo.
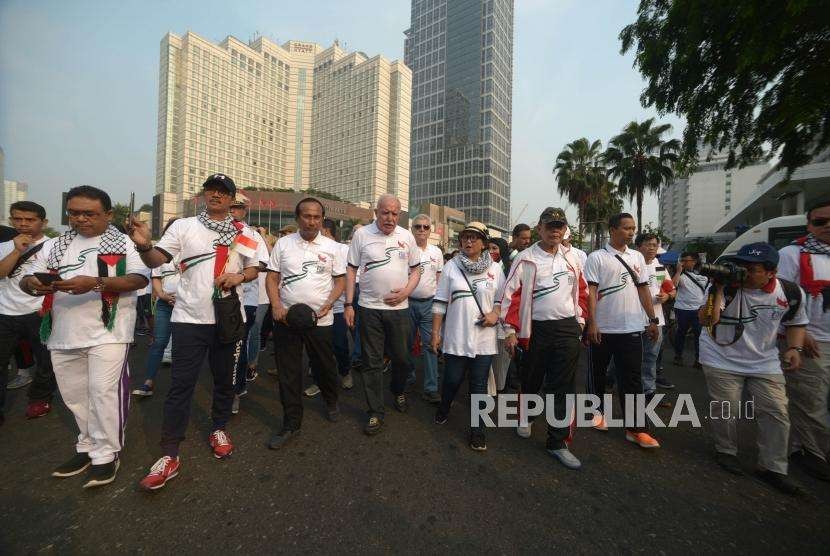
(759, 252)
(553, 214)
(221, 180)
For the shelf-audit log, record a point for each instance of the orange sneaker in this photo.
(600, 424)
(221, 444)
(642, 439)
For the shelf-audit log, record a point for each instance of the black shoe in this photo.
(697, 365)
(678, 361)
(76, 465)
(100, 475)
(478, 442)
(780, 482)
(729, 463)
(431, 397)
(812, 465)
(400, 403)
(663, 383)
(373, 425)
(282, 438)
(440, 418)
(333, 413)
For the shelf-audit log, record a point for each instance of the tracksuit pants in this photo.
(94, 383)
(190, 344)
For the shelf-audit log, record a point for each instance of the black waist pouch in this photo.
(229, 325)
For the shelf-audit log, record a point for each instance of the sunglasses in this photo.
(420, 226)
(819, 221)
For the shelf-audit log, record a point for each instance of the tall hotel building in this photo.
(292, 116)
(461, 56)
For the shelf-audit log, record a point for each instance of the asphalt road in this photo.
(415, 488)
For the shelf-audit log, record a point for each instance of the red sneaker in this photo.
(162, 471)
(37, 409)
(221, 444)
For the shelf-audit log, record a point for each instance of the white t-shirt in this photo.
(581, 255)
(432, 262)
(76, 319)
(307, 271)
(13, 300)
(789, 268)
(385, 261)
(690, 291)
(553, 290)
(618, 309)
(338, 306)
(169, 275)
(193, 243)
(253, 292)
(657, 275)
(461, 336)
(756, 352)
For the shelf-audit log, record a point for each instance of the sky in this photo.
(79, 82)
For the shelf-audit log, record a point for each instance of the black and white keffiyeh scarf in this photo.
(814, 246)
(225, 228)
(475, 267)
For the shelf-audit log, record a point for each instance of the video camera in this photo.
(724, 273)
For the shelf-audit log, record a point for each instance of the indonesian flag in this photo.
(244, 245)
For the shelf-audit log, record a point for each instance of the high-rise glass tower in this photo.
(461, 56)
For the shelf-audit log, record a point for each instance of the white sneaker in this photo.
(524, 432)
(347, 382)
(312, 391)
(23, 378)
(235, 405)
(566, 458)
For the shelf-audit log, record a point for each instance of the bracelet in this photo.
(144, 249)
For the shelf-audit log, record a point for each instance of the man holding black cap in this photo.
(739, 350)
(546, 293)
(217, 254)
(306, 275)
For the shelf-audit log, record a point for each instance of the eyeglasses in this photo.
(817, 222)
(420, 226)
(468, 239)
(88, 214)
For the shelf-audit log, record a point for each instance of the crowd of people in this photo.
(493, 314)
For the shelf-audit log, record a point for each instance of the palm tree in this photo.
(641, 161)
(579, 173)
(605, 201)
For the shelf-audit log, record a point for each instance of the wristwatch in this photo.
(347, 304)
(143, 248)
(654, 320)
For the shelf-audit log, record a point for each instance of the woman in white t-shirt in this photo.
(465, 303)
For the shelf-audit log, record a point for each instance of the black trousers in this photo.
(383, 330)
(627, 352)
(288, 351)
(550, 364)
(190, 344)
(14, 328)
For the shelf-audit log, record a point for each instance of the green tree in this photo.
(579, 173)
(120, 212)
(641, 161)
(743, 74)
(146, 207)
(604, 203)
(650, 228)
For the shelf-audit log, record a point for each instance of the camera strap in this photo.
(470, 285)
(634, 277)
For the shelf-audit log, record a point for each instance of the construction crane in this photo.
(521, 212)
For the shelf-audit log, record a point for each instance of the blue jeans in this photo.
(253, 336)
(241, 370)
(455, 367)
(686, 318)
(161, 336)
(650, 352)
(420, 313)
(341, 344)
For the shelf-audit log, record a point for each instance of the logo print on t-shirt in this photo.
(371, 265)
(299, 276)
(614, 289)
(79, 262)
(774, 312)
(542, 292)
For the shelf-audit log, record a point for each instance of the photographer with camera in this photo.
(691, 290)
(747, 304)
(807, 263)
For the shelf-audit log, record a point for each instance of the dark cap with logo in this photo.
(553, 214)
(756, 253)
(220, 180)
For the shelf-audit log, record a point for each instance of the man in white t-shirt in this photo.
(216, 255)
(542, 311)
(740, 351)
(420, 305)
(691, 288)
(19, 318)
(388, 259)
(306, 272)
(620, 310)
(807, 263)
(88, 325)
